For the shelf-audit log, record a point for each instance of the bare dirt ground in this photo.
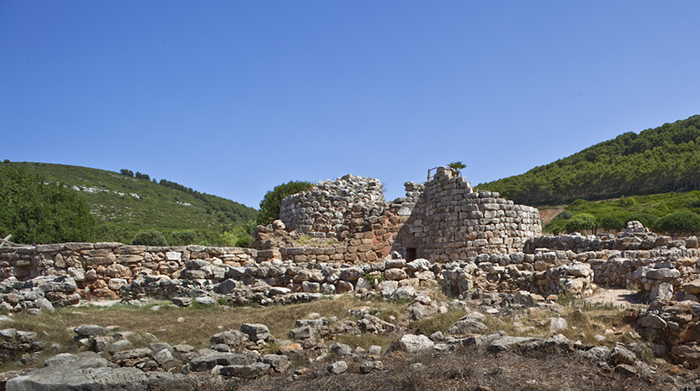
(547, 214)
(617, 297)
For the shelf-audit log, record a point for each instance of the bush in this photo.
(565, 215)
(183, 238)
(581, 222)
(555, 226)
(237, 237)
(270, 205)
(647, 219)
(677, 223)
(149, 238)
(35, 212)
(611, 223)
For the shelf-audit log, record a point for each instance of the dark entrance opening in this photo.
(411, 254)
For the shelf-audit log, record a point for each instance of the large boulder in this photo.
(414, 343)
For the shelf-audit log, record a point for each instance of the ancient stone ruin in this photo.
(442, 220)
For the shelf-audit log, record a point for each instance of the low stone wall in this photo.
(103, 268)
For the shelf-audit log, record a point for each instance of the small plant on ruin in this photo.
(457, 167)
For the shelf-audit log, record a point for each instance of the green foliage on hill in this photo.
(125, 205)
(656, 160)
(270, 205)
(672, 213)
(35, 212)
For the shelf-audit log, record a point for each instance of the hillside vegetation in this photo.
(653, 211)
(125, 205)
(656, 160)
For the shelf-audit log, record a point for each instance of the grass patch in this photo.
(439, 322)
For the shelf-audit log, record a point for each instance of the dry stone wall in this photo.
(450, 221)
(334, 209)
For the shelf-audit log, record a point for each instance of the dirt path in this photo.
(616, 297)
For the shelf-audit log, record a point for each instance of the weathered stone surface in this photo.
(209, 361)
(653, 321)
(338, 367)
(507, 343)
(467, 326)
(255, 331)
(414, 343)
(230, 337)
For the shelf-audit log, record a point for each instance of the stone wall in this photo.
(334, 209)
(450, 221)
(442, 220)
(104, 268)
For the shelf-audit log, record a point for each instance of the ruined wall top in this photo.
(323, 210)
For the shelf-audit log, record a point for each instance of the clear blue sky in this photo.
(235, 97)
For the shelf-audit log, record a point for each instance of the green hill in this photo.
(656, 160)
(124, 204)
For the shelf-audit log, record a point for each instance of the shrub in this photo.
(270, 205)
(35, 212)
(126, 172)
(565, 215)
(611, 223)
(647, 219)
(626, 201)
(676, 223)
(183, 238)
(555, 226)
(149, 238)
(581, 222)
(237, 237)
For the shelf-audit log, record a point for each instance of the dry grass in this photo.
(193, 326)
(467, 370)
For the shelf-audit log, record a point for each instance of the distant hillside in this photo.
(656, 160)
(125, 205)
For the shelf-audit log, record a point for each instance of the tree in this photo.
(581, 222)
(457, 167)
(677, 223)
(149, 238)
(270, 205)
(35, 212)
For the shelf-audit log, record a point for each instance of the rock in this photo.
(405, 293)
(338, 367)
(664, 274)
(341, 349)
(120, 345)
(626, 370)
(163, 356)
(182, 301)
(59, 359)
(467, 326)
(371, 366)
(230, 338)
(683, 353)
(662, 291)
(293, 348)
(363, 285)
(597, 353)
(344, 287)
(622, 355)
(256, 331)
(507, 343)
(277, 291)
(653, 321)
(251, 371)
(92, 373)
(418, 265)
(395, 274)
(692, 287)
(374, 350)
(575, 286)
(557, 324)
(209, 361)
(227, 286)
(205, 301)
(90, 330)
(388, 288)
(301, 333)
(414, 343)
(278, 362)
